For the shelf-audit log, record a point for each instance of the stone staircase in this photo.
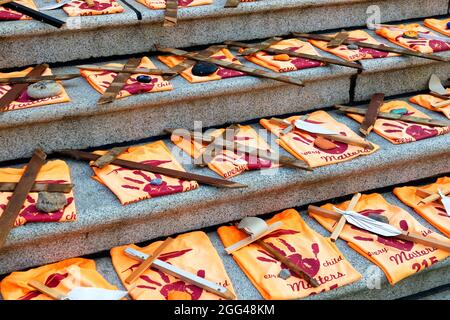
(104, 223)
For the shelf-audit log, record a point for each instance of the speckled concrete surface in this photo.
(103, 222)
(101, 36)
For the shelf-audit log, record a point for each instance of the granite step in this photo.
(119, 34)
(103, 222)
(83, 124)
(373, 285)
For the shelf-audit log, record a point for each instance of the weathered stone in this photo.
(51, 201)
(44, 89)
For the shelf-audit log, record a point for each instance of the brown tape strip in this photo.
(38, 187)
(109, 156)
(372, 113)
(171, 13)
(20, 194)
(16, 80)
(261, 46)
(119, 81)
(337, 40)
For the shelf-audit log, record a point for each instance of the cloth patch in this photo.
(421, 45)
(224, 163)
(161, 4)
(399, 132)
(398, 259)
(81, 8)
(221, 73)
(192, 252)
(100, 80)
(433, 212)
(438, 25)
(62, 276)
(8, 14)
(426, 101)
(343, 52)
(52, 172)
(301, 143)
(267, 60)
(131, 185)
(24, 101)
(316, 255)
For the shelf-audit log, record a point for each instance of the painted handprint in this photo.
(52, 281)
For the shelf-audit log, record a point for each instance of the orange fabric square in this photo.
(301, 143)
(56, 172)
(81, 8)
(345, 53)
(433, 212)
(438, 25)
(221, 73)
(161, 4)
(316, 255)
(399, 132)
(24, 101)
(7, 14)
(397, 258)
(427, 101)
(135, 185)
(267, 60)
(100, 80)
(192, 252)
(395, 35)
(227, 163)
(62, 276)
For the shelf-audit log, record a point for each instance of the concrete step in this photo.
(119, 34)
(82, 124)
(103, 222)
(364, 289)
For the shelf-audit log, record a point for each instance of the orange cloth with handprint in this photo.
(397, 131)
(427, 101)
(131, 185)
(301, 143)
(24, 101)
(192, 252)
(100, 80)
(434, 212)
(8, 14)
(62, 276)
(314, 254)
(161, 4)
(361, 53)
(271, 61)
(221, 73)
(424, 45)
(81, 8)
(438, 25)
(397, 258)
(226, 162)
(55, 172)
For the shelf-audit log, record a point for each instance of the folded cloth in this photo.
(438, 25)
(427, 101)
(361, 53)
(397, 258)
(8, 14)
(271, 61)
(399, 132)
(62, 276)
(56, 172)
(316, 255)
(221, 73)
(131, 185)
(227, 163)
(395, 35)
(81, 8)
(161, 4)
(100, 80)
(301, 143)
(24, 101)
(192, 252)
(433, 212)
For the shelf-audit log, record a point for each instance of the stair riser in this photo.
(119, 39)
(209, 213)
(96, 130)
